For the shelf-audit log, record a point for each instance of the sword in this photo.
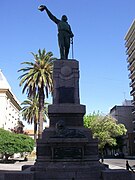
(71, 41)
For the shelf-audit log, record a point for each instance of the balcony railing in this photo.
(133, 102)
(131, 57)
(130, 48)
(131, 74)
(131, 64)
(133, 121)
(133, 111)
(130, 39)
(132, 82)
(132, 92)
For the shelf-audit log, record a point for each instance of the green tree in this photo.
(90, 118)
(37, 79)
(30, 112)
(105, 129)
(11, 143)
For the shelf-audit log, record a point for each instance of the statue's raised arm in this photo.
(64, 32)
(51, 16)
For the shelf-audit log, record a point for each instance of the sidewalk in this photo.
(17, 166)
(111, 166)
(119, 163)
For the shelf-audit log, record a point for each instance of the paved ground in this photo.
(17, 166)
(119, 163)
(113, 164)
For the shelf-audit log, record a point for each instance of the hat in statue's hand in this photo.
(41, 8)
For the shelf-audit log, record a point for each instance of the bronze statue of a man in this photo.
(64, 32)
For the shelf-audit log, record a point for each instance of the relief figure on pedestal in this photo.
(63, 132)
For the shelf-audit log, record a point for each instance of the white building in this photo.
(9, 105)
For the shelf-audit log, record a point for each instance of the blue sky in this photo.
(99, 29)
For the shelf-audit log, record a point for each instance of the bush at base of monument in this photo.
(11, 143)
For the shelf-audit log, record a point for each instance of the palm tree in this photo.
(30, 112)
(37, 79)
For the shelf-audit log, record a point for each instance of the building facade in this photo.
(124, 115)
(9, 105)
(130, 51)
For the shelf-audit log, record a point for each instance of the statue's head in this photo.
(64, 18)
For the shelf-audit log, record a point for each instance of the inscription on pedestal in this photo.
(66, 95)
(67, 153)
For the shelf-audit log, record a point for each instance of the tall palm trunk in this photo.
(41, 111)
(35, 131)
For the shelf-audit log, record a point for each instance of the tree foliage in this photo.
(38, 74)
(105, 128)
(37, 79)
(11, 143)
(30, 112)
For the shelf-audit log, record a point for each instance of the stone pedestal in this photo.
(67, 149)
